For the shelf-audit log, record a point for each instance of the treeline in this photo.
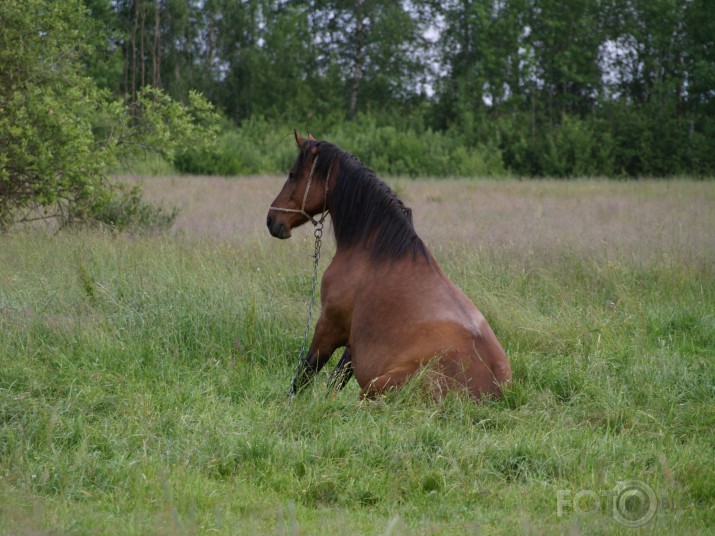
(523, 87)
(463, 87)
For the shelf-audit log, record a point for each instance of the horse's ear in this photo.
(310, 137)
(298, 138)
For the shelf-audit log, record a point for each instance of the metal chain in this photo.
(318, 233)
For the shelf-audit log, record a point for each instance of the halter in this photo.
(302, 211)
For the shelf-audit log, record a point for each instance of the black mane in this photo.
(364, 209)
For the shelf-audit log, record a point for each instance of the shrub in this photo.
(126, 210)
(60, 134)
(256, 147)
(578, 148)
(262, 147)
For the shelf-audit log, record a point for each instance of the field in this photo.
(143, 379)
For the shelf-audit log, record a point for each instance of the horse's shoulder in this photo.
(341, 280)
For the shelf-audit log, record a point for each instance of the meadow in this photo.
(144, 378)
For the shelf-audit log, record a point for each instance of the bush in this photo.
(262, 147)
(578, 148)
(256, 147)
(126, 210)
(414, 151)
(60, 134)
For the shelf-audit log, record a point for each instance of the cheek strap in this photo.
(305, 198)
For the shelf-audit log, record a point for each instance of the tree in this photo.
(546, 84)
(375, 49)
(484, 59)
(59, 132)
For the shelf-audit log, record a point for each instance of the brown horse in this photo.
(384, 297)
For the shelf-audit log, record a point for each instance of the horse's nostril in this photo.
(269, 221)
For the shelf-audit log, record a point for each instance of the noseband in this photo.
(302, 211)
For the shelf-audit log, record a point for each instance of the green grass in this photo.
(143, 387)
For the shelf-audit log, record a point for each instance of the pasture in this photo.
(143, 379)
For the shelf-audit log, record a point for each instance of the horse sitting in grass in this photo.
(384, 297)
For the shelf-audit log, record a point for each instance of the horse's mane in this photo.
(364, 209)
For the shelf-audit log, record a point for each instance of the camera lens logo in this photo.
(634, 503)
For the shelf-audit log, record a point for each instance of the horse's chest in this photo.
(339, 290)
(351, 282)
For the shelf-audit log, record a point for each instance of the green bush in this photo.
(415, 151)
(256, 147)
(60, 134)
(126, 210)
(578, 148)
(262, 147)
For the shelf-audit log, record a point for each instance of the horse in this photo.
(384, 297)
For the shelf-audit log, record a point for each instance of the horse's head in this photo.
(303, 195)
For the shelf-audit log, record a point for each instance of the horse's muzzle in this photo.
(277, 228)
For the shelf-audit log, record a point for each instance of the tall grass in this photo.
(143, 390)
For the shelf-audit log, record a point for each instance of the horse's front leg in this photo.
(342, 372)
(327, 338)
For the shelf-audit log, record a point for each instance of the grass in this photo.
(143, 380)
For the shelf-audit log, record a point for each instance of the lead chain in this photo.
(318, 233)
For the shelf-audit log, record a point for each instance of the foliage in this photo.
(620, 87)
(506, 88)
(128, 210)
(260, 146)
(45, 107)
(60, 133)
(583, 87)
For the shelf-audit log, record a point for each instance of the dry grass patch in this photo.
(627, 221)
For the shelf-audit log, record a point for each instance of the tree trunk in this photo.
(156, 55)
(359, 58)
(134, 53)
(142, 56)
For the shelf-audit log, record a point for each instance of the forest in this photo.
(456, 87)
(490, 88)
